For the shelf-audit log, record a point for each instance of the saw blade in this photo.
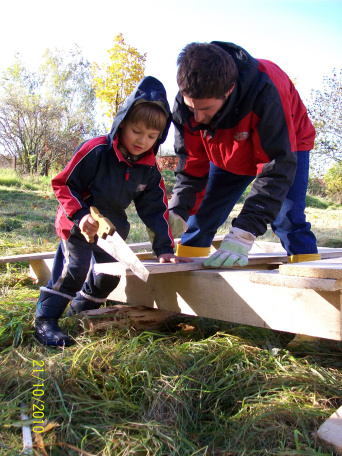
(116, 247)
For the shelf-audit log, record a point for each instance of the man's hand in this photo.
(171, 258)
(88, 227)
(233, 250)
(177, 224)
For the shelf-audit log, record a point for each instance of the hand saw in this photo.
(111, 242)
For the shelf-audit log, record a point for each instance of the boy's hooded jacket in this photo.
(98, 175)
(255, 134)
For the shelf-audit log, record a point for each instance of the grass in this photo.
(212, 389)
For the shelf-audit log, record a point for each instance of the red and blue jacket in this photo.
(256, 133)
(98, 175)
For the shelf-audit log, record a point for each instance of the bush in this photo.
(167, 162)
(333, 182)
(314, 201)
(169, 180)
(316, 187)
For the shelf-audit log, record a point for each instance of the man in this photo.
(239, 120)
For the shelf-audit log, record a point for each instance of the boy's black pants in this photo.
(72, 272)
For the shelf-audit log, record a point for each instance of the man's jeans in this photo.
(224, 190)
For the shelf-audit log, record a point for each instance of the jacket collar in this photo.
(149, 159)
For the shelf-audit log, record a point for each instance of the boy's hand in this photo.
(89, 227)
(171, 258)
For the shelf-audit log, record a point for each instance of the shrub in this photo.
(167, 162)
(316, 187)
(333, 182)
(169, 180)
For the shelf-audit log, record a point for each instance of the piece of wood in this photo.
(138, 317)
(40, 270)
(26, 257)
(330, 432)
(229, 295)
(323, 269)
(302, 339)
(154, 267)
(276, 279)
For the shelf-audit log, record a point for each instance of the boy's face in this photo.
(136, 138)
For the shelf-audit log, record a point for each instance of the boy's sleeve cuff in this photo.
(77, 217)
(160, 251)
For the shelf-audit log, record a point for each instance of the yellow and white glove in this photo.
(177, 224)
(233, 250)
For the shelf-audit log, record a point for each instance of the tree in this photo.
(325, 110)
(26, 125)
(44, 115)
(116, 78)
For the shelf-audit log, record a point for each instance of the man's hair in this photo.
(205, 71)
(150, 114)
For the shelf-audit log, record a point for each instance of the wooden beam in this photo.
(331, 431)
(276, 279)
(26, 257)
(229, 295)
(40, 270)
(323, 269)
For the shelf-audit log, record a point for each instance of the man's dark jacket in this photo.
(256, 133)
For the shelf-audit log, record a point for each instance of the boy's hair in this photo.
(205, 71)
(150, 114)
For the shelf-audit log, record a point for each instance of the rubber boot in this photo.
(50, 308)
(80, 303)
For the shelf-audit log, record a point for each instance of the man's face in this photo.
(204, 109)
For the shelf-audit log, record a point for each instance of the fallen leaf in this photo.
(186, 328)
(39, 442)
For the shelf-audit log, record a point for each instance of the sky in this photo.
(303, 37)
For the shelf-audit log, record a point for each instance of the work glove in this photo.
(233, 250)
(177, 224)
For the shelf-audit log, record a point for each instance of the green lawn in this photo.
(213, 388)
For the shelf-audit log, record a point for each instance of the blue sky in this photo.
(304, 37)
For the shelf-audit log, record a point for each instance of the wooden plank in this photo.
(323, 269)
(229, 295)
(154, 267)
(26, 257)
(279, 280)
(331, 431)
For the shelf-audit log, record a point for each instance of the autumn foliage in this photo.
(115, 79)
(167, 162)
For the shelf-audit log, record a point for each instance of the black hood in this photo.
(148, 89)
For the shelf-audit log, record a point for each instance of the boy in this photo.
(107, 172)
